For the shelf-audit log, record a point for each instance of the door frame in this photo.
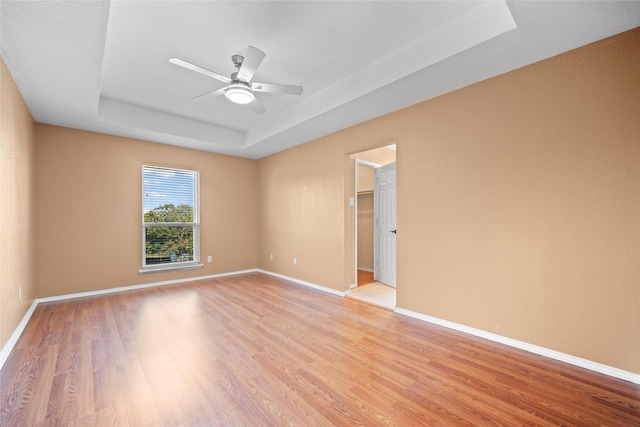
(367, 164)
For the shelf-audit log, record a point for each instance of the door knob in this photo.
(393, 231)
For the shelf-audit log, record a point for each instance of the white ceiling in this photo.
(104, 66)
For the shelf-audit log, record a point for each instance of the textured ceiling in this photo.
(103, 66)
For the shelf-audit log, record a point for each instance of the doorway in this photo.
(370, 243)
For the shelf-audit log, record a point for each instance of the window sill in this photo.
(165, 268)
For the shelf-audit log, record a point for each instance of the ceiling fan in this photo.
(241, 87)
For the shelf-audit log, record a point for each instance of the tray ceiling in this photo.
(104, 66)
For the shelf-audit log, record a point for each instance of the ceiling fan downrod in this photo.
(237, 60)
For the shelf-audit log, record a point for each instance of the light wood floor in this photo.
(365, 277)
(253, 350)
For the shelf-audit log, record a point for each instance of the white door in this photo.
(385, 220)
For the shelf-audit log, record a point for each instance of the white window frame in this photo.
(180, 265)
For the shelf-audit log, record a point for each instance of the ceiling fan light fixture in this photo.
(239, 93)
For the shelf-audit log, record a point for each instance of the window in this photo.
(170, 219)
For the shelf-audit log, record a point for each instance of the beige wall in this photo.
(518, 204)
(300, 203)
(365, 178)
(88, 210)
(16, 206)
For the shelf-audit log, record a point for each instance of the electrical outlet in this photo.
(20, 292)
(295, 260)
(271, 256)
(209, 258)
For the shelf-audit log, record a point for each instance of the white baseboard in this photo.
(303, 283)
(366, 269)
(141, 286)
(13, 339)
(532, 348)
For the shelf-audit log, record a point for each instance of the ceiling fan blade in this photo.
(252, 60)
(198, 69)
(210, 94)
(257, 106)
(277, 88)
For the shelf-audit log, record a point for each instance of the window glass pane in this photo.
(168, 244)
(170, 213)
(170, 216)
(168, 195)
